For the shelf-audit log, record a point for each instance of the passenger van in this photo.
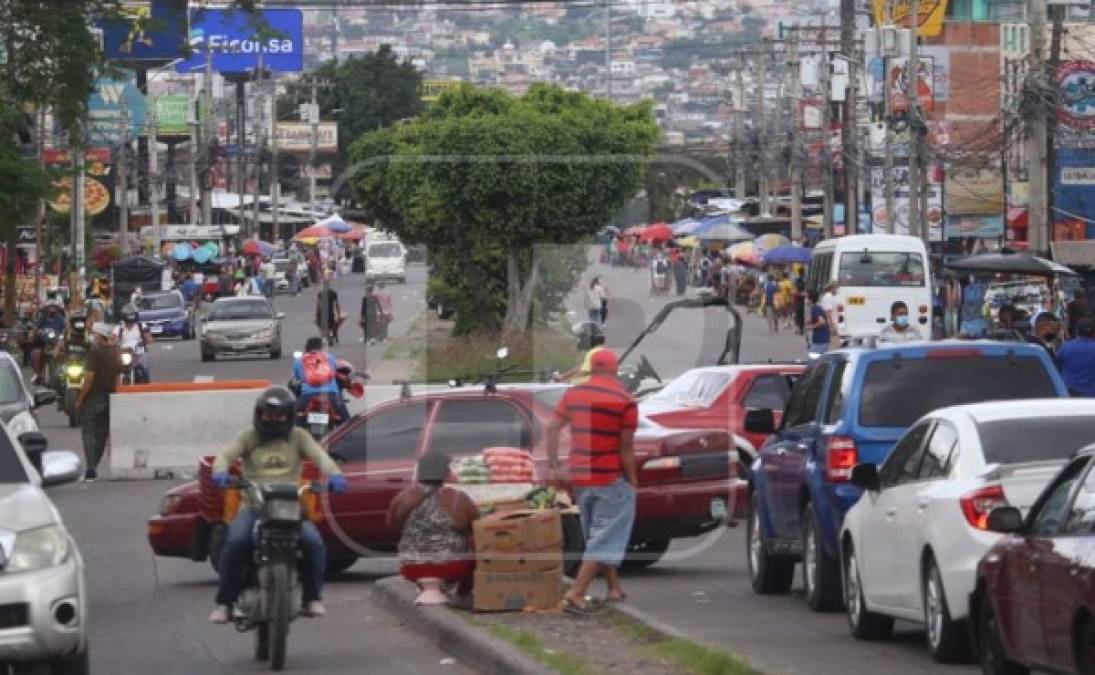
(385, 260)
(873, 271)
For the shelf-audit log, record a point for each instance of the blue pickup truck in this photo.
(849, 407)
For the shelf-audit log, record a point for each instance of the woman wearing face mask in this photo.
(899, 329)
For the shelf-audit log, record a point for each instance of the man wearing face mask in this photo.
(899, 329)
(1045, 332)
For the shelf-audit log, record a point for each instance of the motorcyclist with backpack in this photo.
(315, 373)
(271, 452)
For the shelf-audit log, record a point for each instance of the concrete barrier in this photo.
(162, 433)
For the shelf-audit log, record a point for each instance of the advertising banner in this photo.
(974, 192)
(297, 136)
(149, 31)
(899, 87)
(976, 226)
(115, 110)
(929, 23)
(235, 39)
(1074, 186)
(879, 216)
(168, 115)
(98, 186)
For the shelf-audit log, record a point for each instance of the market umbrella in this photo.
(745, 253)
(356, 234)
(633, 231)
(785, 255)
(685, 227)
(1010, 263)
(202, 255)
(656, 232)
(314, 232)
(768, 242)
(688, 242)
(181, 251)
(725, 231)
(334, 223)
(257, 247)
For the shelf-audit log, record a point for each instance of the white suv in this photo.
(43, 597)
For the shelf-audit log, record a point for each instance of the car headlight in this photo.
(39, 548)
(74, 370)
(169, 504)
(265, 334)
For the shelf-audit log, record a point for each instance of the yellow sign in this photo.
(929, 23)
(432, 89)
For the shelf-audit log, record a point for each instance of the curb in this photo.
(473, 647)
(662, 629)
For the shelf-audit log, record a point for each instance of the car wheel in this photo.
(768, 574)
(992, 657)
(574, 544)
(644, 553)
(73, 665)
(340, 565)
(275, 354)
(947, 639)
(188, 331)
(208, 355)
(217, 535)
(864, 624)
(820, 571)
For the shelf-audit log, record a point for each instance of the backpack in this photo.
(317, 369)
(660, 267)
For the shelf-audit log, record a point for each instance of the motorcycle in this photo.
(274, 594)
(72, 379)
(49, 338)
(319, 416)
(133, 369)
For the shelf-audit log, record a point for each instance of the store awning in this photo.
(1018, 217)
(1074, 253)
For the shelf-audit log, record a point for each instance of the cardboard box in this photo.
(504, 505)
(496, 591)
(519, 541)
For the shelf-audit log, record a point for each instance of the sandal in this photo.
(622, 597)
(571, 607)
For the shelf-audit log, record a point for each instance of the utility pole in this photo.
(313, 114)
(739, 131)
(1057, 19)
(887, 106)
(826, 153)
(154, 184)
(275, 180)
(209, 134)
(258, 114)
(123, 174)
(78, 224)
(1038, 136)
(40, 219)
(796, 126)
(912, 93)
(849, 128)
(761, 124)
(608, 49)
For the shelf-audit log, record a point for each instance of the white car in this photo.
(911, 544)
(43, 594)
(385, 260)
(281, 271)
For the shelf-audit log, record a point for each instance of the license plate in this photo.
(857, 301)
(155, 329)
(718, 509)
(318, 418)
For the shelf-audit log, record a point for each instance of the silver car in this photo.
(241, 326)
(43, 596)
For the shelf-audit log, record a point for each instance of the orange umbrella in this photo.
(657, 232)
(314, 232)
(356, 234)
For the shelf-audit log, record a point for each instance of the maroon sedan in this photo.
(687, 478)
(1035, 596)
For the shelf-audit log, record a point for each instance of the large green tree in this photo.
(48, 59)
(483, 177)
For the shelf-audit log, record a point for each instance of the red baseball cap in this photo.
(604, 360)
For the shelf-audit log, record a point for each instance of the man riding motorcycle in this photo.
(52, 318)
(311, 386)
(132, 335)
(271, 452)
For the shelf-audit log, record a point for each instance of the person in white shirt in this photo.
(167, 279)
(131, 334)
(899, 329)
(828, 303)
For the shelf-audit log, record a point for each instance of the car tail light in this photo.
(841, 459)
(977, 505)
(923, 309)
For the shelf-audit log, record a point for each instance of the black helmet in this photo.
(129, 314)
(589, 335)
(279, 401)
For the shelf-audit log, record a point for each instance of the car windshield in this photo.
(386, 250)
(549, 398)
(159, 301)
(11, 467)
(11, 386)
(1011, 441)
(897, 392)
(881, 269)
(239, 311)
(699, 389)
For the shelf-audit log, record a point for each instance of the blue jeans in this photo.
(236, 558)
(336, 402)
(818, 347)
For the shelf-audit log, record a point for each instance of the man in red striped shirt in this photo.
(602, 416)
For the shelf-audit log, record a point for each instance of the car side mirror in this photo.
(44, 397)
(865, 476)
(60, 466)
(760, 421)
(1005, 520)
(34, 444)
(280, 316)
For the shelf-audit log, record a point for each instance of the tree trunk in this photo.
(479, 288)
(520, 295)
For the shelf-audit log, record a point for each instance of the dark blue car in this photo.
(166, 314)
(852, 406)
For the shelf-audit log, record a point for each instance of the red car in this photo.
(1034, 602)
(686, 477)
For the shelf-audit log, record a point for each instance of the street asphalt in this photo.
(150, 613)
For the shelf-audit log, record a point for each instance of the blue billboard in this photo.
(115, 111)
(1074, 187)
(235, 38)
(146, 30)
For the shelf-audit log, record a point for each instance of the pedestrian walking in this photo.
(799, 299)
(293, 275)
(828, 305)
(818, 325)
(771, 312)
(370, 315)
(384, 305)
(602, 417)
(1077, 359)
(101, 372)
(680, 272)
(1045, 332)
(329, 312)
(591, 300)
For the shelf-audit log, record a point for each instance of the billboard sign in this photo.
(974, 192)
(297, 136)
(115, 110)
(146, 30)
(167, 115)
(929, 20)
(1074, 184)
(1077, 89)
(235, 39)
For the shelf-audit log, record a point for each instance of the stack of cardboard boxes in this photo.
(519, 561)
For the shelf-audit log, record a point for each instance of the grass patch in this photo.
(529, 643)
(468, 358)
(412, 345)
(689, 656)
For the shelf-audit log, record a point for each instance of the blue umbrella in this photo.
(785, 255)
(684, 227)
(181, 252)
(202, 255)
(335, 224)
(721, 228)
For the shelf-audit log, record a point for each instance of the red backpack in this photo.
(317, 369)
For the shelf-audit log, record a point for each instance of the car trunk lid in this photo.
(1022, 482)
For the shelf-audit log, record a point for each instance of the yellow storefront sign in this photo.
(929, 23)
(432, 89)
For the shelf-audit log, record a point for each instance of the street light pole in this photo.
(313, 114)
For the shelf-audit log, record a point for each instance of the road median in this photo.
(616, 639)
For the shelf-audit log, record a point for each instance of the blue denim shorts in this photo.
(607, 513)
